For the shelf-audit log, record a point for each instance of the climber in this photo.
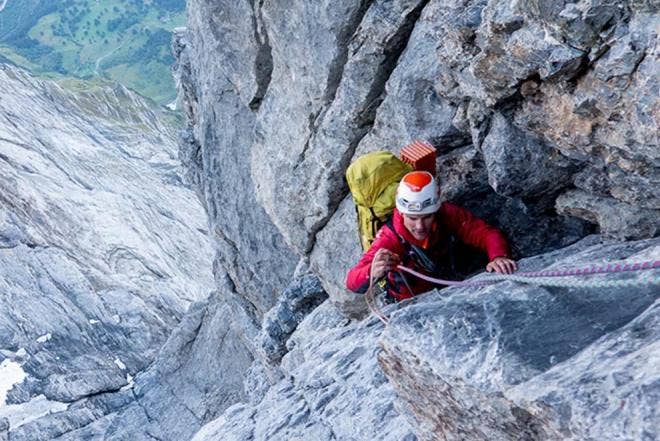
(420, 235)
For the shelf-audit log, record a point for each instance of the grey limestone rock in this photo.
(314, 114)
(338, 248)
(498, 362)
(196, 376)
(332, 389)
(545, 118)
(218, 72)
(521, 165)
(616, 219)
(514, 360)
(299, 299)
(91, 286)
(550, 97)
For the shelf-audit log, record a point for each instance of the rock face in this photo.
(524, 362)
(250, 248)
(545, 117)
(509, 361)
(332, 389)
(102, 250)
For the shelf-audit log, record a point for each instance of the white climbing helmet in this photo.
(418, 193)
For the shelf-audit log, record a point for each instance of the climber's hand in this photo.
(502, 265)
(384, 261)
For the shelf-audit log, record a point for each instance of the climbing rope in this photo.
(541, 278)
(545, 278)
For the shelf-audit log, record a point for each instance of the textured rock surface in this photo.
(297, 301)
(314, 114)
(506, 79)
(102, 249)
(545, 115)
(511, 361)
(217, 146)
(332, 389)
(501, 362)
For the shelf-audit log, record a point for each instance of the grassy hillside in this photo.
(123, 40)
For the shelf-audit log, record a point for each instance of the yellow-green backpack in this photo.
(372, 179)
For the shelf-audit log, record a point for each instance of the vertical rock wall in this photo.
(221, 65)
(545, 117)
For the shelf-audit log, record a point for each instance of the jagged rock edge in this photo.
(399, 41)
(263, 64)
(335, 75)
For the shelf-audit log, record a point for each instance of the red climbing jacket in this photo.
(451, 220)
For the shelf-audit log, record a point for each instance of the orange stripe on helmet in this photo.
(417, 180)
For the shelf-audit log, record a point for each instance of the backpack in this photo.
(372, 180)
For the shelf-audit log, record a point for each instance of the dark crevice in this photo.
(455, 145)
(337, 65)
(511, 102)
(335, 74)
(392, 50)
(263, 66)
(250, 308)
(338, 195)
(153, 436)
(484, 129)
(580, 72)
(93, 395)
(238, 304)
(637, 64)
(312, 125)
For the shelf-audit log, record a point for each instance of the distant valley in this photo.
(118, 40)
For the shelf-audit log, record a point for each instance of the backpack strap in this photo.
(417, 254)
(376, 222)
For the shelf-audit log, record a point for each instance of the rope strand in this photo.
(540, 278)
(544, 277)
(370, 298)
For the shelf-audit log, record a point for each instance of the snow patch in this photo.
(119, 363)
(172, 105)
(94, 322)
(131, 383)
(37, 407)
(21, 352)
(11, 373)
(44, 338)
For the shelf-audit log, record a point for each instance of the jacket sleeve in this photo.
(474, 231)
(357, 279)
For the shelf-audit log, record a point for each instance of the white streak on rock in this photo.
(44, 338)
(119, 363)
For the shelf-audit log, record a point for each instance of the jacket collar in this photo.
(401, 229)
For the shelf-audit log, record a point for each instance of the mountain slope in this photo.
(102, 248)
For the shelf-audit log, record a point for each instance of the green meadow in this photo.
(127, 41)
